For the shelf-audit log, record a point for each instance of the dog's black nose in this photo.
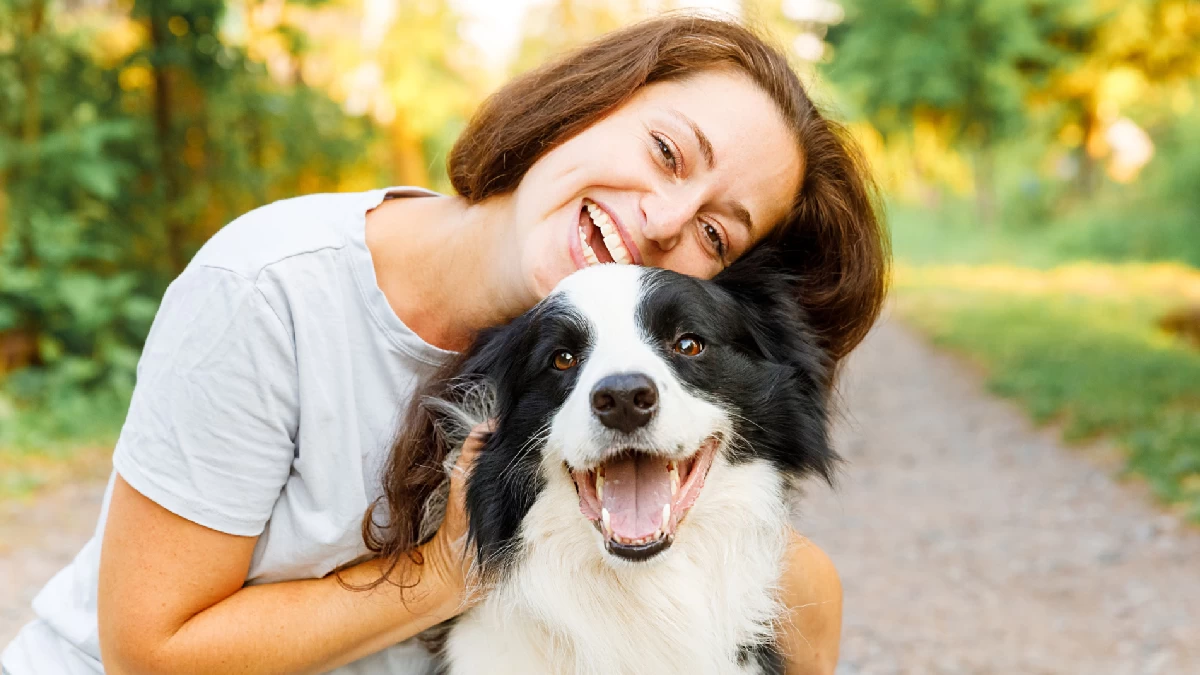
(625, 402)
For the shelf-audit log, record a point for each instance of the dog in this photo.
(630, 510)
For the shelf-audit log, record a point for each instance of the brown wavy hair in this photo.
(833, 238)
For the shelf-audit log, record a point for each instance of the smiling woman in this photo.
(269, 387)
(686, 167)
(696, 140)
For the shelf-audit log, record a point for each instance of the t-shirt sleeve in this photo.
(210, 433)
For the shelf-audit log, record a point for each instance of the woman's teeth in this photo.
(612, 239)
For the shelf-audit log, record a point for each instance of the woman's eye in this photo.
(564, 360)
(688, 345)
(667, 153)
(714, 237)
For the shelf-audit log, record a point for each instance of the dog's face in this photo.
(629, 382)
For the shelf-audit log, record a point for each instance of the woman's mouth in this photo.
(599, 239)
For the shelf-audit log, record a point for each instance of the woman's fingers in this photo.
(466, 460)
(471, 447)
(451, 554)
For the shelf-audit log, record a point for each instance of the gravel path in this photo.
(970, 543)
(967, 541)
(37, 540)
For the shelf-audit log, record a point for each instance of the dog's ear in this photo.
(483, 358)
(761, 284)
(800, 386)
(490, 354)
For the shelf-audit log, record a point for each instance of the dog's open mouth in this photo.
(637, 499)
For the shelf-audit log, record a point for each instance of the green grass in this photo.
(1106, 230)
(25, 471)
(924, 237)
(69, 439)
(1079, 345)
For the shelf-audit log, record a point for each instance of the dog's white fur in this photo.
(567, 606)
(683, 421)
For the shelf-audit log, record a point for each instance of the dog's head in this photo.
(629, 382)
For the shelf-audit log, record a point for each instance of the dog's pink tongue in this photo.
(636, 487)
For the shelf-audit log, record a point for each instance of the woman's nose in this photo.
(666, 218)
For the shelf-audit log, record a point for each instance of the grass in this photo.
(1115, 233)
(1078, 344)
(68, 440)
(25, 471)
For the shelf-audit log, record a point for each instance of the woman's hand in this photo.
(448, 555)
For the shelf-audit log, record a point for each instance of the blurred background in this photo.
(1040, 161)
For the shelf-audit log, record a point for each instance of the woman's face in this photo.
(687, 176)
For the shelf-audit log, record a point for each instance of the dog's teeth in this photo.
(674, 470)
(604, 518)
(600, 487)
(666, 519)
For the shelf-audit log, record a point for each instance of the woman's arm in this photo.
(812, 591)
(171, 597)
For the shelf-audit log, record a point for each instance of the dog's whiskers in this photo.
(527, 447)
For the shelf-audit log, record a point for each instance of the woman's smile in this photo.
(599, 237)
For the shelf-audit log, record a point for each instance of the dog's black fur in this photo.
(761, 359)
(761, 362)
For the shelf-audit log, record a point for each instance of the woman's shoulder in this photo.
(285, 229)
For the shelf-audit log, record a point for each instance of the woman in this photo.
(272, 378)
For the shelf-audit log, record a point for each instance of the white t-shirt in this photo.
(268, 394)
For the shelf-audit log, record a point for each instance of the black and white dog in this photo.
(630, 511)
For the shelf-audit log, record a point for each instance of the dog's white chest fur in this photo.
(564, 609)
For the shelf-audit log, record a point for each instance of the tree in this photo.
(555, 27)
(1149, 45)
(128, 135)
(963, 67)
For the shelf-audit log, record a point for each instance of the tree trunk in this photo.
(1086, 178)
(31, 120)
(31, 128)
(3, 205)
(163, 127)
(985, 185)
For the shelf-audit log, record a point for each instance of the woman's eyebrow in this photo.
(742, 214)
(706, 148)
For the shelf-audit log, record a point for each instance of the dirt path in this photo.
(970, 543)
(967, 542)
(36, 541)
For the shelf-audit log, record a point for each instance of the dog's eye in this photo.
(689, 345)
(564, 360)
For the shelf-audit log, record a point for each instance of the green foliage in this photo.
(1095, 363)
(112, 173)
(966, 65)
(1156, 218)
(951, 234)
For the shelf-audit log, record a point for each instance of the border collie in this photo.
(630, 510)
